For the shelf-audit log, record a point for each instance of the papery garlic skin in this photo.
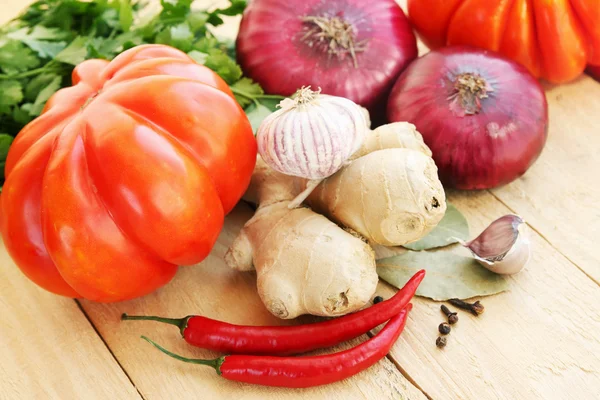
(312, 135)
(504, 246)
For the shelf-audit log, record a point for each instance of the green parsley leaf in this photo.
(43, 96)
(46, 42)
(16, 57)
(228, 46)
(198, 56)
(206, 43)
(11, 93)
(197, 20)
(179, 36)
(110, 21)
(169, 4)
(175, 8)
(215, 20)
(39, 49)
(249, 88)
(38, 32)
(236, 8)
(223, 65)
(271, 102)
(5, 142)
(28, 107)
(46, 49)
(103, 48)
(35, 86)
(75, 53)
(256, 113)
(125, 15)
(21, 116)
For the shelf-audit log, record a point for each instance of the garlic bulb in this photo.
(503, 247)
(312, 135)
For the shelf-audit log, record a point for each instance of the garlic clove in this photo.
(312, 135)
(504, 246)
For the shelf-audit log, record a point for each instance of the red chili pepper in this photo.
(301, 372)
(242, 339)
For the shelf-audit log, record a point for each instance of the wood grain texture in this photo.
(48, 349)
(538, 340)
(213, 290)
(559, 196)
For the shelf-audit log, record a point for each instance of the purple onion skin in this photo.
(271, 51)
(473, 151)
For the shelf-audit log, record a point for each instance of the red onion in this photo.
(484, 117)
(287, 44)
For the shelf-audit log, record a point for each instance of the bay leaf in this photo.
(452, 228)
(448, 275)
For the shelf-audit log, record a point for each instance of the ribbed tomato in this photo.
(594, 71)
(125, 175)
(554, 39)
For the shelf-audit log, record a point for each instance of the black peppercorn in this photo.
(440, 342)
(444, 328)
(452, 316)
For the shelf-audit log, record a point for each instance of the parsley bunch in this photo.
(40, 48)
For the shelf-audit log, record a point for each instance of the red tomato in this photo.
(554, 39)
(594, 72)
(125, 175)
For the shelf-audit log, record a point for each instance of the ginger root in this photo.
(305, 264)
(397, 135)
(390, 193)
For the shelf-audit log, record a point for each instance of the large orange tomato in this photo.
(125, 175)
(594, 71)
(554, 39)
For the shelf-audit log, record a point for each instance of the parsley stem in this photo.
(172, 20)
(255, 96)
(46, 68)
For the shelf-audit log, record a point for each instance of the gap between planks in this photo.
(403, 371)
(389, 356)
(87, 317)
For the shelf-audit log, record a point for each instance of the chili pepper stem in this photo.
(181, 323)
(214, 363)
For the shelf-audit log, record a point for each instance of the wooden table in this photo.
(538, 340)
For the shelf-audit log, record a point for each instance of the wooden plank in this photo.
(48, 349)
(560, 195)
(538, 340)
(212, 289)
(537, 344)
